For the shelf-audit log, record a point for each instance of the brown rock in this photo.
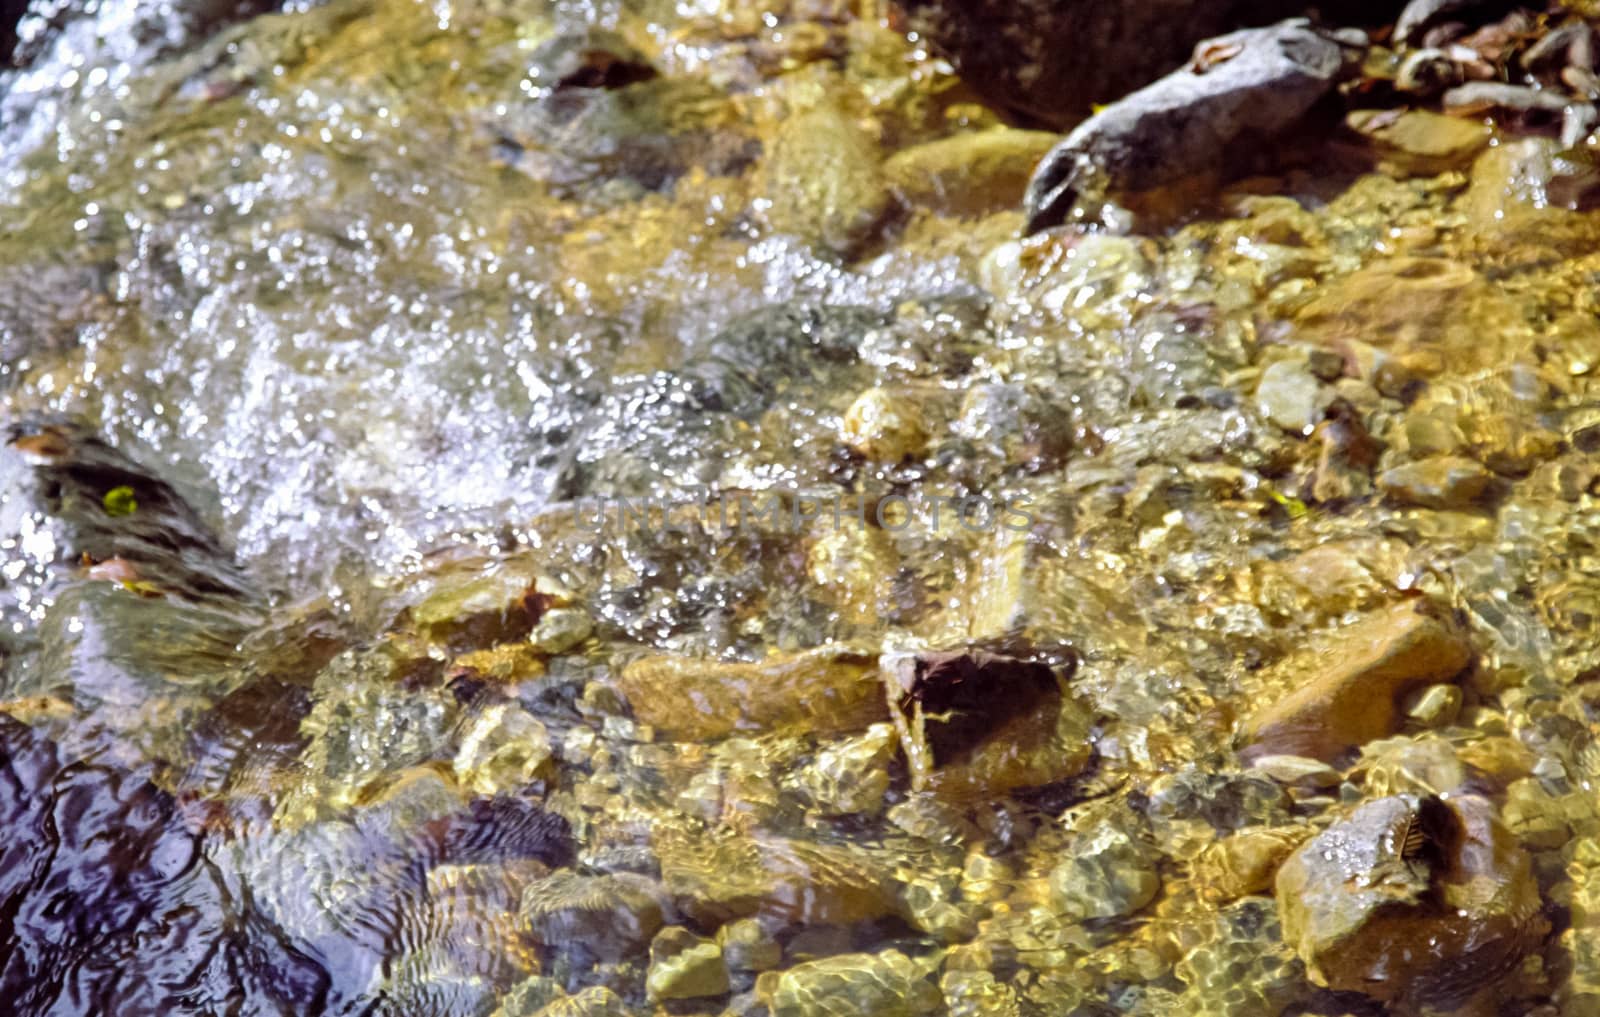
(1412, 305)
(1244, 863)
(828, 689)
(969, 174)
(1356, 682)
(1419, 901)
(1416, 141)
(1442, 482)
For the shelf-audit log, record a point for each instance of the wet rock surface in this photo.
(1349, 692)
(1415, 899)
(1250, 84)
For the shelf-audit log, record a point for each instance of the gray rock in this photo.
(1420, 15)
(1258, 81)
(1483, 96)
(1291, 396)
(1029, 56)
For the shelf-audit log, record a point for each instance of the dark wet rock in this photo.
(502, 828)
(973, 722)
(116, 593)
(1248, 85)
(107, 904)
(1349, 690)
(1346, 455)
(594, 58)
(76, 511)
(1411, 899)
(1441, 482)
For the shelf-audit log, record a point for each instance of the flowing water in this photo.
(474, 469)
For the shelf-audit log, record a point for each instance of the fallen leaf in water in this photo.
(123, 572)
(1291, 505)
(48, 444)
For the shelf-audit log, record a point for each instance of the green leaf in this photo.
(1293, 506)
(119, 501)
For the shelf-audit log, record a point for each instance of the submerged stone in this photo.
(684, 966)
(823, 182)
(1442, 482)
(609, 917)
(1109, 873)
(887, 984)
(973, 723)
(1349, 691)
(828, 689)
(1415, 900)
(968, 174)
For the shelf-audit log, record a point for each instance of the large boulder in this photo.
(1028, 56)
(1240, 90)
